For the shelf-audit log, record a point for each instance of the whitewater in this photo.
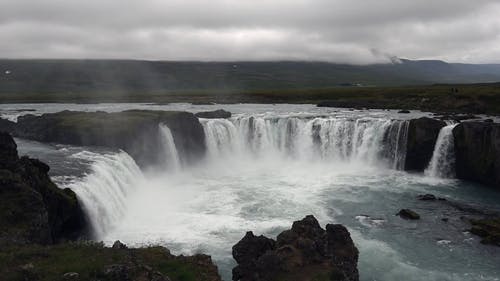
(268, 166)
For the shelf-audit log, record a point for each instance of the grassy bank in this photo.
(94, 261)
(462, 98)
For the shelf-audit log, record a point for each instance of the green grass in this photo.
(49, 263)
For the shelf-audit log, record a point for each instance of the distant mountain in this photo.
(84, 76)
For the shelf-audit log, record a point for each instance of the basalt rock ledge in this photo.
(305, 252)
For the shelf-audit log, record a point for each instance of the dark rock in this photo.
(404, 111)
(7, 125)
(304, 252)
(134, 131)
(477, 152)
(488, 229)
(422, 136)
(427, 197)
(220, 113)
(408, 214)
(34, 209)
(488, 120)
(445, 219)
(119, 245)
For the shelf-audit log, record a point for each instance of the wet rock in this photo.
(34, 209)
(488, 229)
(422, 136)
(408, 214)
(305, 252)
(220, 113)
(477, 152)
(404, 111)
(119, 245)
(426, 197)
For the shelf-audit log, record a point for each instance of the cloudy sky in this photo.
(347, 31)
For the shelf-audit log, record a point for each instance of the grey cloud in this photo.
(330, 30)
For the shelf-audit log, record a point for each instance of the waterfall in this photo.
(442, 163)
(395, 141)
(221, 137)
(103, 191)
(171, 158)
(328, 138)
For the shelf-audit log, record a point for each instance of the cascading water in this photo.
(366, 140)
(395, 141)
(171, 158)
(442, 163)
(103, 191)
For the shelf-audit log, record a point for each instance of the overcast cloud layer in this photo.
(346, 31)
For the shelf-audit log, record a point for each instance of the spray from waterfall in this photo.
(103, 191)
(442, 163)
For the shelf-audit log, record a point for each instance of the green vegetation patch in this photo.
(90, 260)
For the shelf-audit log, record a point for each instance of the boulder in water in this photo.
(220, 113)
(404, 111)
(408, 214)
(422, 136)
(427, 197)
(488, 229)
(477, 152)
(305, 252)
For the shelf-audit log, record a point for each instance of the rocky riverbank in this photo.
(42, 232)
(32, 208)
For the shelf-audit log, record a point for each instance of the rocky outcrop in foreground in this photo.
(422, 136)
(92, 261)
(305, 252)
(477, 152)
(135, 131)
(32, 208)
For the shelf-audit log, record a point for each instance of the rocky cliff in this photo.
(135, 131)
(422, 136)
(477, 152)
(32, 208)
(305, 252)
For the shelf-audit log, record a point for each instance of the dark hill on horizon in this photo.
(28, 77)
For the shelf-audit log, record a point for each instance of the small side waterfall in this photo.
(104, 190)
(171, 158)
(442, 163)
(364, 140)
